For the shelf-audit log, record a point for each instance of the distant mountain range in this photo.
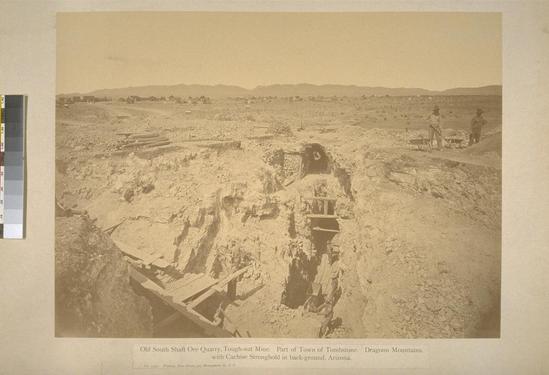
(302, 89)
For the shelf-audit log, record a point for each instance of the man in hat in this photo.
(476, 127)
(434, 128)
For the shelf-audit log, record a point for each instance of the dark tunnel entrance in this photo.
(315, 160)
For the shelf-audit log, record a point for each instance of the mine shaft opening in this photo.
(315, 160)
(309, 282)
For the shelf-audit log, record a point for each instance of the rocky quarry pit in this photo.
(405, 243)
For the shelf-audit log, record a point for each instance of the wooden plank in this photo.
(205, 139)
(218, 288)
(186, 279)
(111, 229)
(133, 146)
(224, 281)
(157, 144)
(196, 287)
(129, 250)
(190, 314)
(325, 230)
(154, 143)
(320, 216)
(203, 297)
(290, 181)
(144, 135)
(145, 258)
(149, 153)
(131, 141)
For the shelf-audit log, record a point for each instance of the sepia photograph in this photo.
(278, 175)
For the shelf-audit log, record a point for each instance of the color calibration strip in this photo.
(2, 141)
(12, 166)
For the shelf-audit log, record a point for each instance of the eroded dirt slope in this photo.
(93, 294)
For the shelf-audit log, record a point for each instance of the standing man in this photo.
(434, 128)
(476, 127)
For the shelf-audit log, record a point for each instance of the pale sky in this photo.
(426, 50)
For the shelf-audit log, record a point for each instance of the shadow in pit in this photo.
(302, 284)
(179, 327)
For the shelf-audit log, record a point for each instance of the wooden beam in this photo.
(218, 287)
(319, 216)
(195, 288)
(144, 135)
(232, 276)
(325, 230)
(146, 259)
(111, 229)
(146, 144)
(184, 281)
(203, 297)
(131, 141)
(203, 139)
(129, 250)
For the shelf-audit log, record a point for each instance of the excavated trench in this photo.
(310, 270)
(202, 236)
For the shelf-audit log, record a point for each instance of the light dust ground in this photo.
(420, 232)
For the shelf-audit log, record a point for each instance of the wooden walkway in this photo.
(186, 293)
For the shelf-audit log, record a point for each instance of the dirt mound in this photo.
(491, 143)
(93, 293)
(433, 277)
